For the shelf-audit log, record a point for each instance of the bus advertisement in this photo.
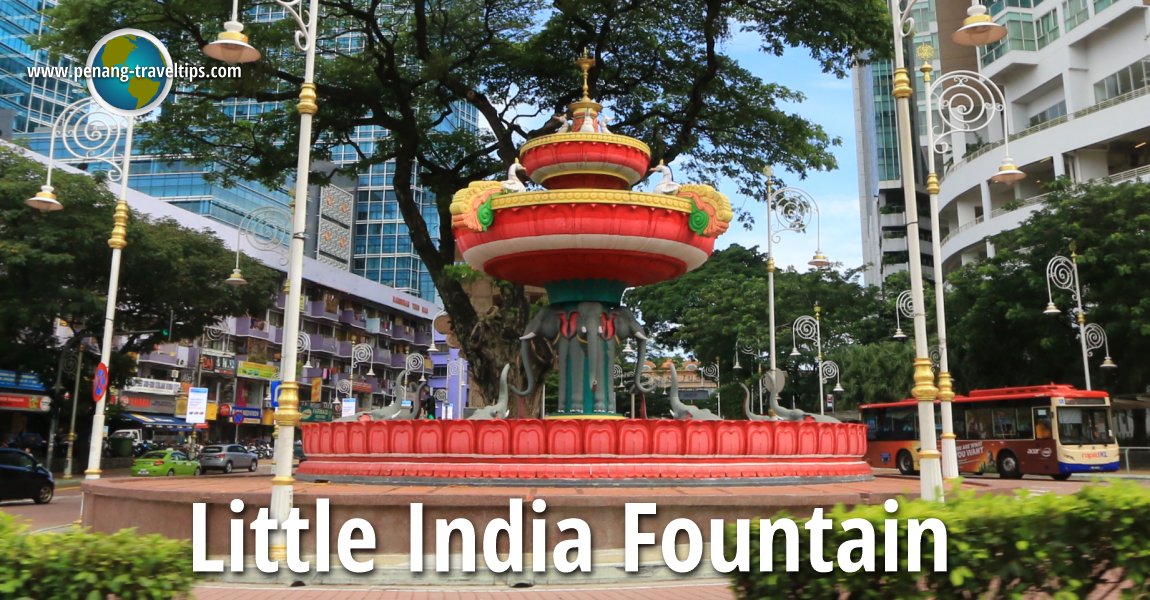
(1053, 430)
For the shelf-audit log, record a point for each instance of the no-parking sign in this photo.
(100, 382)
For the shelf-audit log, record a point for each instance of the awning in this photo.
(158, 421)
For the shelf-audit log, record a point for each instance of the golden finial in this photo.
(585, 62)
(925, 52)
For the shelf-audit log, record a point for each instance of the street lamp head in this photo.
(231, 46)
(795, 352)
(236, 279)
(433, 347)
(44, 200)
(819, 261)
(978, 28)
(1051, 309)
(1109, 364)
(898, 334)
(838, 388)
(1008, 173)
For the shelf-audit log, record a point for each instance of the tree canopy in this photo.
(56, 265)
(722, 307)
(1003, 297)
(664, 69)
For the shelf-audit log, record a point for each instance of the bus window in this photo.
(1042, 429)
(1084, 426)
(978, 423)
(1004, 423)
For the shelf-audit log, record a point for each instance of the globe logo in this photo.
(129, 72)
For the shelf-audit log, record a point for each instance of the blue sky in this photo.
(828, 103)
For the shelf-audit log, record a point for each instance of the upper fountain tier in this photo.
(587, 236)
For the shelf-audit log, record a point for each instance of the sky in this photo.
(828, 103)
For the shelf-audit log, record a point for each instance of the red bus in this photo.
(1053, 430)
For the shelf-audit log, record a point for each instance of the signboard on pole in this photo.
(197, 405)
(348, 407)
(100, 382)
(275, 394)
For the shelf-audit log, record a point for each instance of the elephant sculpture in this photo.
(774, 382)
(749, 411)
(586, 339)
(412, 412)
(687, 411)
(498, 410)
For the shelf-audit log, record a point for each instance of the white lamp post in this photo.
(455, 367)
(792, 208)
(287, 414)
(967, 101)
(827, 371)
(1062, 272)
(978, 28)
(810, 328)
(712, 371)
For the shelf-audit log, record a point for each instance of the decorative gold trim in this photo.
(282, 480)
(119, 239)
(92, 471)
(307, 100)
(929, 454)
(585, 196)
(600, 138)
(901, 84)
(923, 390)
(932, 184)
(549, 172)
(287, 415)
(277, 552)
(945, 389)
(232, 36)
(949, 436)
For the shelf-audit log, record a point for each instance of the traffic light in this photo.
(167, 333)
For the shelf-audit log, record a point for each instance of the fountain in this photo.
(586, 236)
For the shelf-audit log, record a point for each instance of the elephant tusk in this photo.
(528, 336)
(640, 336)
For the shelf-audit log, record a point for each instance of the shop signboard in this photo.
(253, 370)
(29, 402)
(197, 405)
(21, 381)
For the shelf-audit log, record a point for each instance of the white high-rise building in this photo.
(1076, 79)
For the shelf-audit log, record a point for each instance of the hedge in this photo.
(999, 546)
(91, 566)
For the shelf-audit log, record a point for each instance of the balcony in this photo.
(343, 349)
(320, 343)
(398, 361)
(423, 338)
(350, 317)
(403, 332)
(317, 309)
(250, 327)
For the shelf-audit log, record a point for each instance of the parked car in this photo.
(22, 477)
(164, 462)
(227, 457)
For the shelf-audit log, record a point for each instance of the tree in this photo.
(725, 302)
(412, 66)
(56, 265)
(1002, 297)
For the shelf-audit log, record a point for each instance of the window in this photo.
(1074, 13)
(1046, 29)
(1058, 110)
(1084, 426)
(1134, 77)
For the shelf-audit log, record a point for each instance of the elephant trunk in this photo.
(640, 359)
(528, 369)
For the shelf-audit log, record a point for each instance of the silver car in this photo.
(227, 457)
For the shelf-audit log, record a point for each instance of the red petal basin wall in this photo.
(526, 449)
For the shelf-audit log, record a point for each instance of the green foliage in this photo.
(725, 303)
(56, 265)
(81, 565)
(997, 547)
(1002, 298)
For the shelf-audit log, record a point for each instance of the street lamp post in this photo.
(828, 371)
(967, 101)
(712, 371)
(94, 140)
(287, 413)
(266, 228)
(75, 401)
(754, 352)
(810, 328)
(1062, 272)
(792, 208)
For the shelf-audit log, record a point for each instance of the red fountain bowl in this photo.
(534, 449)
(545, 237)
